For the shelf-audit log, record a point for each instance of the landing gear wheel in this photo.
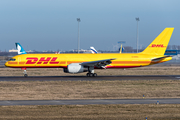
(25, 72)
(91, 74)
(87, 74)
(25, 75)
(94, 74)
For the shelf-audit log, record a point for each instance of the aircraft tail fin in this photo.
(121, 49)
(20, 49)
(160, 43)
(93, 50)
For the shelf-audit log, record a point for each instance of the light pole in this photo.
(78, 19)
(137, 19)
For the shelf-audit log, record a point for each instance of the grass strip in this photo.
(125, 89)
(95, 112)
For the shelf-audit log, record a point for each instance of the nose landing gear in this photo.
(25, 72)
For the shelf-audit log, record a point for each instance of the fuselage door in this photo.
(19, 59)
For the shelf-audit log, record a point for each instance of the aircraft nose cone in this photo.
(6, 64)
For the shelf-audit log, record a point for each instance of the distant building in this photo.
(81, 51)
(172, 52)
(13, 50)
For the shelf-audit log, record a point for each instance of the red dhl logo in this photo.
(157, 45)
(42, 60)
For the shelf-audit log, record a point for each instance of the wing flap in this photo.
(99, 63)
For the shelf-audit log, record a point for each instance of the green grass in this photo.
(125, 89)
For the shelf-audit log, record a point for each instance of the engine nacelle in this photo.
(75, 68)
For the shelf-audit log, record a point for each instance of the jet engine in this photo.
(75, 68)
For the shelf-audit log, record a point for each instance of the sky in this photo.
(52, 24)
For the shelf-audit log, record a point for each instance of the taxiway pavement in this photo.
(84, 78)
(90, 102)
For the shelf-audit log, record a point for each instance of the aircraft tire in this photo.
(94, 74)
(25, 75)
(87, 74)
(91, 74)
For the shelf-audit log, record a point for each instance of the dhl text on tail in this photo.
(78, 63)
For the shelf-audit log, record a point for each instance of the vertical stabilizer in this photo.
(20, 49)
(160, 43)
(93, 50)
(121, 49)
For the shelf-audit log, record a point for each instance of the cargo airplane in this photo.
(78, 63)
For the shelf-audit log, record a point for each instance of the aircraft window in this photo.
(12, 59)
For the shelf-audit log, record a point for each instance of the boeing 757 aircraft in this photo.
(78, 63)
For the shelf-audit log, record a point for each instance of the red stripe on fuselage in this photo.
(12, 62)
(66, 67)
(130, 62)
(21, 62)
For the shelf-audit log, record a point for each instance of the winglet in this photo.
(20, 49)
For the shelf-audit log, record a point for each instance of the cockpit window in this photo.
(12, 59)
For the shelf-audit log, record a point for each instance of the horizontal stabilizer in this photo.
(159, 59)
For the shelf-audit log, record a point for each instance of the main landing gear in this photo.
(25, 72)
(91, 72)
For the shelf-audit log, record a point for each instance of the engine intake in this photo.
(75, 68)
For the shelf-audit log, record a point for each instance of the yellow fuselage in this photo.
(123, 60)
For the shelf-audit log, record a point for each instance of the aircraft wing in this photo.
(99, 63)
